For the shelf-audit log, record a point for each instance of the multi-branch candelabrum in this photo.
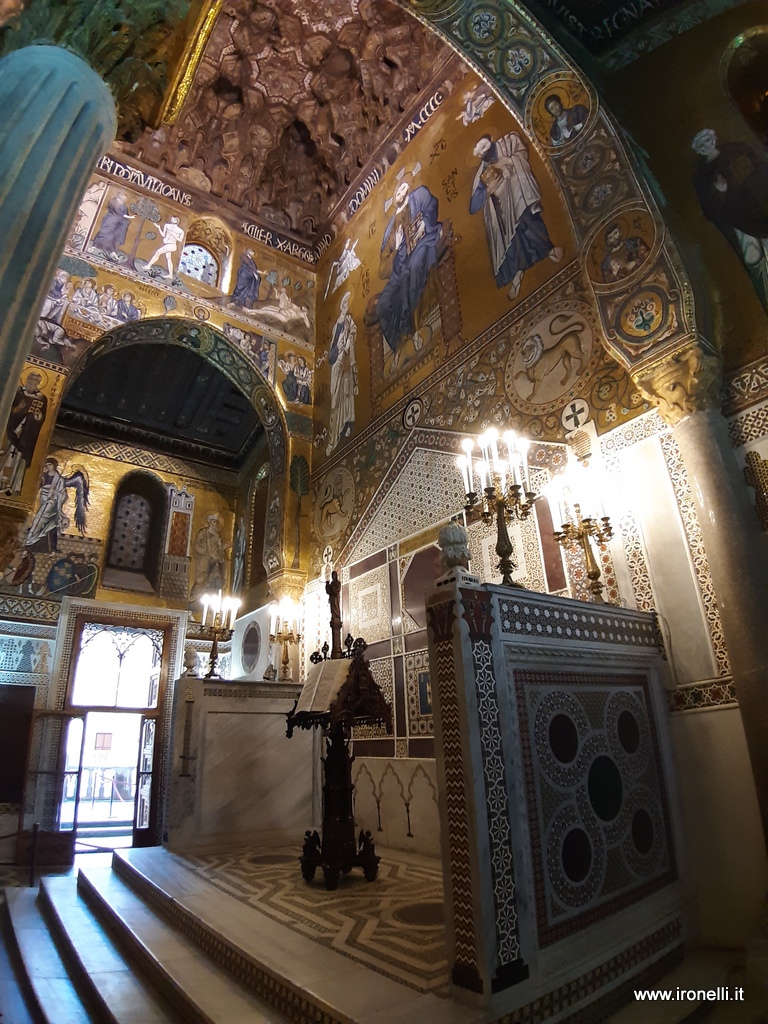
(284, 630)
(498, 486)
(223, 612)
(583, 531)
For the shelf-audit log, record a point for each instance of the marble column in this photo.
(686, 389)
(58, 119)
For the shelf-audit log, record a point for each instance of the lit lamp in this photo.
(568, 499)
(223, 612)
(499, 484)
(284, 629)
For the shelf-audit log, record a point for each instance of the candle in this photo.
(523, 444)
(482, 474)
(204, 599)
(463, 463)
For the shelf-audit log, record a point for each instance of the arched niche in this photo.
(134, 550)
(218, 350)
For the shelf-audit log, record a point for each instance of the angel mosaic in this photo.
(52, 517)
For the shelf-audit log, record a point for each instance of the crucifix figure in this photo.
(333, 590)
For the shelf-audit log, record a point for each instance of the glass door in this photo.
(116, 687)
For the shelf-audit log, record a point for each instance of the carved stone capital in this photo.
(288, 583)
(686, 382)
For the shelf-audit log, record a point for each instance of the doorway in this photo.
(108, 795)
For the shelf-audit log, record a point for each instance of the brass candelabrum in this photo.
(583, 532)
(223, 612)
(284, 632)
(504, 490)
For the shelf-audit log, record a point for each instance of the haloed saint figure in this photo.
(731, 181)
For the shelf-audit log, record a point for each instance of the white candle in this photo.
(463, 463)
(204, 599)
(482, 474)
(523, 444)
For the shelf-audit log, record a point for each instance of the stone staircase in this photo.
(147, 941)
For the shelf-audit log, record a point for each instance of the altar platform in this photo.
(238, 937)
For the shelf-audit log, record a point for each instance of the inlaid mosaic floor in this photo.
(393, 925)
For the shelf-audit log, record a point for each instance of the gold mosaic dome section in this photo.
(290, 101)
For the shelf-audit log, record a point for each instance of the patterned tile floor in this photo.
(393, 925)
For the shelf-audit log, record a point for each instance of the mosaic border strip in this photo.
(239, 691)
(465, 970)
(34, 609)
(573, 992)
(38, 631)
(748, 426)
(746, 387)
(708, 693)
(495, 781)
(518, 616)
(690, 520)
(144, 457)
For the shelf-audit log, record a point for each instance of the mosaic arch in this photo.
(640, 289)
(216, 349)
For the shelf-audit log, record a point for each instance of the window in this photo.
(103, 741)
(198, 262)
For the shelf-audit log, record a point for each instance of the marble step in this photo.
(306, 980)
(56, 1001)
(202, 992)
(108, 977)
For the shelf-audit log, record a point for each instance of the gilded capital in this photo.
(688, 381)
(288, 583)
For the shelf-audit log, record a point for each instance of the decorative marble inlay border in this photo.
(692, 528)
(568, 996)
(239, 691)
(526, 618)
(611, 447)
(418, 691)
(441, 620)
(495, 780)
(748, 426)
(747, 387)
(707, 693)
(141, 457)
(36, 609)
(12, 628)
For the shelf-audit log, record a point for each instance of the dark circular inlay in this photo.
(251, 646)
(642, 831)
(577, 855)
(629, 731)
(563, 738)
(420, 913)
(605, 788)
(271, 858)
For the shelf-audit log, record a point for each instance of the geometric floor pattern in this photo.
(393, 925)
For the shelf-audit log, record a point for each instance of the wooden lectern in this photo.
(339, 693)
